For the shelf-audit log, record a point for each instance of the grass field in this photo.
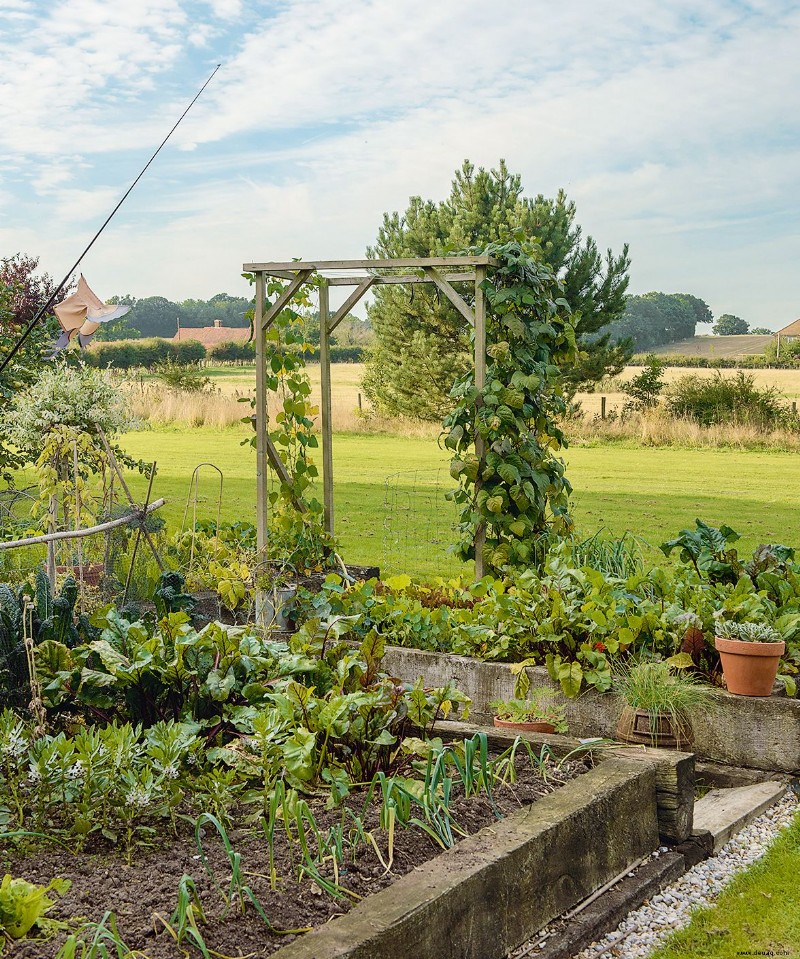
(716, 346)
(651, 492)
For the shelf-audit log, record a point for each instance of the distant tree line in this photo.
(154, 351)
(655, 319)
(758, 361)
(158, 316)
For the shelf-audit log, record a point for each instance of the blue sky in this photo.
(672, 125)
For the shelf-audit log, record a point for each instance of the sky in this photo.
(673, 127)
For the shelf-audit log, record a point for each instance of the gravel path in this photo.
(647, 927)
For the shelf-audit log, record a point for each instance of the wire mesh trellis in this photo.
(419, 524)
(16, 520)
(105, 560)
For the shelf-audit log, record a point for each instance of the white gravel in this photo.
(647, 927)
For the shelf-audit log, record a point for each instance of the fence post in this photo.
(602, 407)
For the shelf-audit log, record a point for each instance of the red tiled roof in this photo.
(213, 335)
(793, 329)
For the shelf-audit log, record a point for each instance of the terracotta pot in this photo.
(749, 668)
(92, 573)
(636, 726)
(537, 727)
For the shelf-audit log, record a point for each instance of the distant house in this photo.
(789, 333)
(214, 335)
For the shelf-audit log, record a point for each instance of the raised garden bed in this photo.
(494, 890)
(754, 732)
(141, 893)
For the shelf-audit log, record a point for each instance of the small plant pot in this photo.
(92, 573)
(540, 726)
(637, 726)
(749, 668)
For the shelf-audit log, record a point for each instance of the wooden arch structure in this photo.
(444, 272)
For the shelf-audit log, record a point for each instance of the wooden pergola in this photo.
(444, 272)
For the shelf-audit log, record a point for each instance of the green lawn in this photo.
(652, 492)
(757, 915)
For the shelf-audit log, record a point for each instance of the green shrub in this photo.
(723, 399)
(232, 352)
(132, 354)
(644, 390)
(185, 379)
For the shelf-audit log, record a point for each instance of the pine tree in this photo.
(421, 341)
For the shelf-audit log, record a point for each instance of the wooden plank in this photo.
(453, 295)
(399, 279)
(415, 262)
(283, 300)
(480, 383)
(325, 406)
(279, 466)
(261, 424)
(349, 303)
(675, 788)
(723, 812)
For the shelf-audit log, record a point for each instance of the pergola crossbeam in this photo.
(285, 298)
(453, 295)
(401, 263)
(350, 302)
(399, 279)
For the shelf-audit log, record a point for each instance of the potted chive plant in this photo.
(535, 714)
(659, 700)
(750, 654)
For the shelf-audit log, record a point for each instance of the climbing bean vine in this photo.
(514, 490)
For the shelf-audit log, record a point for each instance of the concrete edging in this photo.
(752, 732)
(496, 889)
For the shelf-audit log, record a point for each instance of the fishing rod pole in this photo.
(29, 329)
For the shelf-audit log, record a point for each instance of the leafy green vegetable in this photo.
(24, 904)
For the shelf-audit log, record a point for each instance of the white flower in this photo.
(16, 746)
(76, 771)
(139, 796)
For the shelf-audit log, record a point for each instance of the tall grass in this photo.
(163, 407)
(658, 428)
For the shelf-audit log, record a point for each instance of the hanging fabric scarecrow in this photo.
(82, 313)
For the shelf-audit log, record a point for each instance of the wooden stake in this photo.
(325, 405)
(115, 466)
(480, 383)
(78, 522)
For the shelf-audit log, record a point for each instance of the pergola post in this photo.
(261, 437)
(480, 383)
(325, 405)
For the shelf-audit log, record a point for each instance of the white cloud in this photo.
(671, 125)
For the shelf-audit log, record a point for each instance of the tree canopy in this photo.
(159, 316)
(422, 345)
(654, 319)
(23, 292)
(730, 325)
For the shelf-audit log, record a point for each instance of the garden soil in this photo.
(143, 896)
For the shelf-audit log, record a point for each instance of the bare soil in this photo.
(145, 893)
